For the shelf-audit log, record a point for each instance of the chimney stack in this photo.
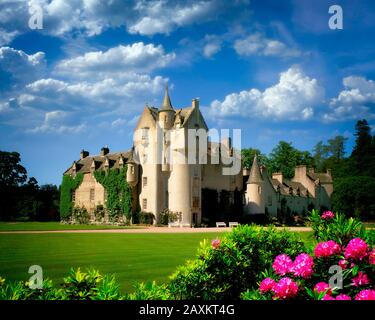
(104, 151)
(83, 154)
(195, 103)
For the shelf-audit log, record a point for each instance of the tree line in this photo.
(21, 197)
(353, 173)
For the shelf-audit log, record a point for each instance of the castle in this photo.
(183, 186)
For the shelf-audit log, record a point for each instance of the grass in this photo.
(48, 226)
(131, 257)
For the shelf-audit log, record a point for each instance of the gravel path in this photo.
(146, 230)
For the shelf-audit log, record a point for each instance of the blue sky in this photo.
(271, 68)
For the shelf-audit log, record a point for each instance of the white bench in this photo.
(220, 224)
(233, 224)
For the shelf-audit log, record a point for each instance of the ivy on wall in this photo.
(119, 195)
(68, 185)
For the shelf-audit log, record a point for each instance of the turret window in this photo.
(92, 194)
(144, 181)
(144, 204)
(259, 189)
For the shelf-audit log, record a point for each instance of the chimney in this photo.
(83, 154)
(278, 176)
(311, 170)
(246, 172)
(329, 172)
(300, 172)
(195, 103)
(104, 151)
(227, 142)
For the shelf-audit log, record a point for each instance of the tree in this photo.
(320, 154)
(248, 157)
(284, 158)
(12, 173)
(336, 147)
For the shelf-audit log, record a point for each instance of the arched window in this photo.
(259, 189)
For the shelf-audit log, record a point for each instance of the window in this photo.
(259, 189)
(144, 204)
(132, 169)
(144, 181)
(195, 202)
(73, 196)
(92, 194)
(145, 134)
(269, 201)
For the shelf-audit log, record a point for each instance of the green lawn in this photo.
(47, 226)
(131, 257)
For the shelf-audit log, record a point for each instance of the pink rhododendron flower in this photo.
(322, 287)
(266, 285)
(303, 266)
(215, 243)
(366, 295)
(328, 215)
(360, 280)
(343, 264)
(326, 249)
(328, 297)
(282, 264)
(356, 249)
(342, 296)
(286, 288)
(371, 257)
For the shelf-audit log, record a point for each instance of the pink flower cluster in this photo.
(266, 285)
(360, 280)
(282, 264)
(286, 288)
(327, 249)
(371, 257)
(328, 215)
(322, 287)
(341, 296)
(215, 243)
(366, 295)
(356, 249)
(303, 266)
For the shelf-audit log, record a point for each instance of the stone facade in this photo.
(159, 184)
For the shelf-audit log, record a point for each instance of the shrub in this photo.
(80, 215)
(336, 227)
(149, 291)
(146, 217)
(308, 276)
(167, 216)
(228, 267)
(99, 213)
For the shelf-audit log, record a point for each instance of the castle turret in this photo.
(132, 172)
(166, 112)
(254, 191)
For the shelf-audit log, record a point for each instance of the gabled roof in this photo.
(84, 165)
(323, 177)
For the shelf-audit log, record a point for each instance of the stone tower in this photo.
(255, 190)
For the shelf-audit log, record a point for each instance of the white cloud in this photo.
(212, 45)
(20, 66)
(258, 44)
(54, 122)
(292, 98)
(137, 57)
(356, 101)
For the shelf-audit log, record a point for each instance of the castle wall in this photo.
(90, 193)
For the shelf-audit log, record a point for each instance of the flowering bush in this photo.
(308, 276)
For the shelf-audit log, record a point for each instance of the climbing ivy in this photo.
(119, 196)
(68, 185)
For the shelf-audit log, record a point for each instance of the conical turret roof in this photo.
(167, 105)
(255, 174)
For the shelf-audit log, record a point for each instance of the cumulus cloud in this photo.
(93, 17)
(20, 67)
(258, 44)
(292, 98)
(212, 45)
(137, 57)
(54, 122)
(356, 101)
